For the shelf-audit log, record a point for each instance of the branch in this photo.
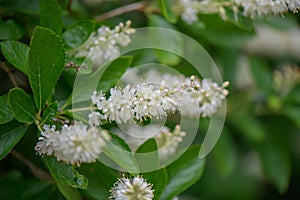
(36, 171)
(139, 6)
(10, 75)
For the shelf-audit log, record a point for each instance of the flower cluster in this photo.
(189, 9)
(74, 144)
(132, 189)
(253, 8)
(103, 45)
(193, 97)
(286, 79)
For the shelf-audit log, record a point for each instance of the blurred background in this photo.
(257, 155)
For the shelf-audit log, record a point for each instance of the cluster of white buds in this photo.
(136, 188)
(74, 144)
(286, 79)
(193, 97)
(189, 9)
(253, 8)
(104, 44)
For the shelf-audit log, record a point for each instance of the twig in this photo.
(121, 10)
(10, 75)
(37, 172)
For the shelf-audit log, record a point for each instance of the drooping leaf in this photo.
(166, 10)
(113, 73)
(16, 53)
(69, 192)
(183, 173)
(21, 105)
(119, 152)
(50, 15)
(77, 34)
(65, 174)
(101, 179)
(10, 138)
(11, 30)
(170, 44)
(5, 112)
(46, 63)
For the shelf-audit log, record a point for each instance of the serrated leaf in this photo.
(77, 34)
(65, 174)
(49, 114)
(16, 53)
(9, 139)
(11, 30)
(5, 112)
(183, 173)
(46, 63)
(69, 192)
(118, 151)
(21, 105)
(50, 15)
(170, 43)
(158, 179)
(101, 179)
(147, 156)
(113, 73)
(166, 10)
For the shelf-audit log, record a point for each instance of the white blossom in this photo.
(94, 118)
(104, 44)
(74, 144)
(131, 189)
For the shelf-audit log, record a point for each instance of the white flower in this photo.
(131, 189)
(190, 10)
(74, 144)
(103, 45)
(94, 118)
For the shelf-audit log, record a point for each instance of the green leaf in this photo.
(23, 6)
(65, 174)
(147, 156)
(101, 179)
(49, 114)
(5, 112)
(293, 113)
(46, 63)
(78, 33)
(113, 73)
(183, 173)
(50, 15)
(222, 33)
(276, 162)
(9, 139)
(262, 74)
(159, 179)
(21, 105)
(69, 192)
(225, 155)
(169, 43)
(166, 10)
(16, 53)
(119, 152)
(11, 30)
(255, 132)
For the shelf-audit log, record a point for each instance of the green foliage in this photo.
(167, 11)
(78, 33)
(65, 174)
(11, 30)
(46, 63)
(50, 15)
(5, 112)
(16, 53)
(21, 105)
